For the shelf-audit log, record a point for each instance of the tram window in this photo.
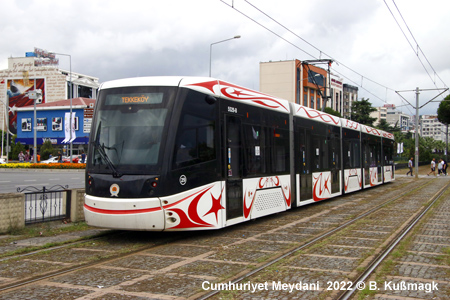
(352, 149)
(280, 151)
(195, 141)
(255, 150)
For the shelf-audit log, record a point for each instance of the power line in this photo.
(415, 41)
(322, 52)
(311, 55)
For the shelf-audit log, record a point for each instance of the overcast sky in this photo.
(115, 39)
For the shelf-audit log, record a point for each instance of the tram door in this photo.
(234, 167)
(304, 139)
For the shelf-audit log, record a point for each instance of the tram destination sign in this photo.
(141, 98)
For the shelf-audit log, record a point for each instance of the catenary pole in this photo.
(417, 135)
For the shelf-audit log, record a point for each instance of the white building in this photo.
(379, 114)
(431, 127)
(39, 70)
(350, 95)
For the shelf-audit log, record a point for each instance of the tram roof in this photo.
(206, 85)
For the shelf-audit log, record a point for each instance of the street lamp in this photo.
(70, 96)
(210, 49)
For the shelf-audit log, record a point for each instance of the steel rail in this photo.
(399, 237)
(311, 242)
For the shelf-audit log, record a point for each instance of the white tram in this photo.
(172, 153)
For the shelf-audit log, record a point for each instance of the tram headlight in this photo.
(90, 183)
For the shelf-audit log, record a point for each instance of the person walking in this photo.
(410, 166)
(21, 157)
(440, 167)
(444, 167)
(433, 167)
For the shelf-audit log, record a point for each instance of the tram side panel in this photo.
(196, 196)
(372, 156)
(388, 157)
(317, 156)
(351, 148)
(256, 161)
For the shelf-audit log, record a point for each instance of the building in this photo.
(393, 117)
(350, 95)
(39, 70)
(397, 118)
(431, 127)
(298, 82)
(379, 114)
(53, 123)
(337, 91)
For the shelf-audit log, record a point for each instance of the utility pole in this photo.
(416, 145)
(324, 95)
(417, 107)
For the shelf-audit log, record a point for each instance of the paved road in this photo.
(10, 180)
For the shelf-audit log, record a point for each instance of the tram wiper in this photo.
(101, 150)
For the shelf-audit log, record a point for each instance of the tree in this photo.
(384, 125)
(331, 111)
(46, 150)
(16, 148)
(361, 112)
(444, 111)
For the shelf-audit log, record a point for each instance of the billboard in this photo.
(17, 90)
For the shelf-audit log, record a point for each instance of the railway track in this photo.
(266, 250)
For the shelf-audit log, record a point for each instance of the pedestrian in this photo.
(444, 167)
(433, 167)
(21, 157)
(440, 167)
(59, 157)
(410, 166)
(83, 157)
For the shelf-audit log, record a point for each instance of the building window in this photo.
(84, 91)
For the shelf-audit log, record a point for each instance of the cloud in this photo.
(115, 39)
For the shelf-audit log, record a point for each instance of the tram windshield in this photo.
(129, 129)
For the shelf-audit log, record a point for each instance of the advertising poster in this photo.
(57, 124)
(26, 124)
(17, 90)
(41, 124)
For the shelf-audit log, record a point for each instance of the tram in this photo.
(193, 153)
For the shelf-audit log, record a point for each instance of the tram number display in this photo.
(232, 109)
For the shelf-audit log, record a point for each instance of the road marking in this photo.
(30, 180)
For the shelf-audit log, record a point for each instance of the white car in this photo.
(51, 160)
(2, 160)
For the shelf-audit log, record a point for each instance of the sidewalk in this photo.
(423, 171)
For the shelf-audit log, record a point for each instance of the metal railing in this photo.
(46, 204)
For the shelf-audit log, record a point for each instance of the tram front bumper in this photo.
(126, 214)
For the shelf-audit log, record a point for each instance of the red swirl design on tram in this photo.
(320, 189)
(324, 117)
(352, 125)
(372, 130)
(240, 93)
(192, 219)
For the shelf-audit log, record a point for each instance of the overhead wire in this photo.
(418, 47)
(339, 62)
(311, 55)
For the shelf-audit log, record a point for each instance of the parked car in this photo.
(51, 160)
(2, 161)
(75, 159)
